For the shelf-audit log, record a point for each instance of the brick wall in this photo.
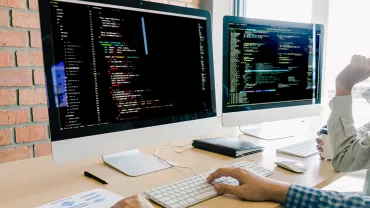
(24, 131)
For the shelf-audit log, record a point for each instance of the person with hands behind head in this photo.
(350, 147)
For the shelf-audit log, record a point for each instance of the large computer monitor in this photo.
(271, 71)
(121, 78)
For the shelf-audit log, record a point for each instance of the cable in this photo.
(178, 152)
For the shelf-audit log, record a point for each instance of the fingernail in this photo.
(216, 187)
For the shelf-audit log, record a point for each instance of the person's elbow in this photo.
(343, 163)
(339, 166)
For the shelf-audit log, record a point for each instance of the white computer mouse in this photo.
(293, 166)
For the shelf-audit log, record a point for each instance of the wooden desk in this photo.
(34, 182)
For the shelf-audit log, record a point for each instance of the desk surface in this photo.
(34, 182)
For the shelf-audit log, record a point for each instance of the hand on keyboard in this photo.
(134, 202)
(251, 187)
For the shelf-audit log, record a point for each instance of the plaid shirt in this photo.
(300, 196)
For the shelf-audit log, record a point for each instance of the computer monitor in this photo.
(120, 78)
(271, 71)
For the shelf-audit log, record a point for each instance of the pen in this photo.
(89, 175)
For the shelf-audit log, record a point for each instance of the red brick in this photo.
(5, 137)
(11, 78)
(33, 4)
(32, 96)
(29, 58)
(6, 59)
(39, 77)
(21, 4)
(30, 133)
(7, 97)
(176, 3)
(13, 154)
(35, 39)
(40, 114)
(25, 19)
(13, 38)
(4, 18)
(43, 149)
(9, 117)
(194, 6)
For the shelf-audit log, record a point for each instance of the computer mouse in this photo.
(293, 166)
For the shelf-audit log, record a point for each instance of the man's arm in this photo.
(362, 131)
(300, 196)
(351, 150)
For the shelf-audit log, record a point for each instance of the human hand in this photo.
(323, 144)
(355, 72)
(134, 202)
(319, 145)
(251, 186)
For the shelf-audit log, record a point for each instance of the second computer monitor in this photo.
(271, 70)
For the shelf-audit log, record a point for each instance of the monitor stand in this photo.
(134, 163)
(274, 130)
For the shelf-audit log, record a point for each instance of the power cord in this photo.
(176, 151)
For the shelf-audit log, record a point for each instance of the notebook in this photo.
(227, 146)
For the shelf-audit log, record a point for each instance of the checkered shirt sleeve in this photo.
(300, 196)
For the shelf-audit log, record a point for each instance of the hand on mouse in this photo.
(252, 187)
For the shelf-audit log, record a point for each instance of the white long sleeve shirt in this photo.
(351, 147)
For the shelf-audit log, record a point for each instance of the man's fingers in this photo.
(363, 62)
(232, 172)
(355, 59)
(368, 64)
(319, 142)
(319, 148)
(226, 189)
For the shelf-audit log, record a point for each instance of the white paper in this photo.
(90, 199)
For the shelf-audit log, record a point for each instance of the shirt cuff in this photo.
(289, 197)
(341, 105)
(293, 195)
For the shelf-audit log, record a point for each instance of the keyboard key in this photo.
(172, 201)
(177, 205)
(206, 194)
(164, 199)
(183, 203)
(158, 196)
(191, 200)
(172, 192)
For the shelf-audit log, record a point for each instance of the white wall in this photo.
(218, 8)
(320, 15)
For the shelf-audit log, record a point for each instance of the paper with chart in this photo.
(91, 199)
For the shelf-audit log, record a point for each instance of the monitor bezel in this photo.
(47, 45)
(225, 73)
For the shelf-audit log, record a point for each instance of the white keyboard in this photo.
(196, 189)
(303, 149)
